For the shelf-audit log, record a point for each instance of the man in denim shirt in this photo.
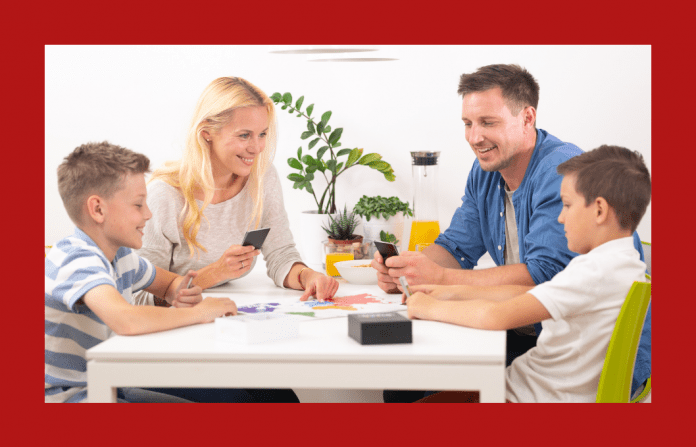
(510, 205)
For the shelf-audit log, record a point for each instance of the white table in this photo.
(441, 357)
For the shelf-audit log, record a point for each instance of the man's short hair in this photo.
(95, 168)
(617, 174)
(518, 86)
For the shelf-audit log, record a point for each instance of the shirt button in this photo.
(498, 186)
(462, 259)
(499, 247)
(501, 214)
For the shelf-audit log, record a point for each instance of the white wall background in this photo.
(141, 97)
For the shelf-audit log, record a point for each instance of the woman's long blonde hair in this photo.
(213, 112)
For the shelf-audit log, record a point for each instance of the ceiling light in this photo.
(356, 59)
(322, 50)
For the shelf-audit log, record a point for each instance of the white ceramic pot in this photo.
(312, 236)
(393, 225)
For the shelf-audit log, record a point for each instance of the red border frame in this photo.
(29, 28)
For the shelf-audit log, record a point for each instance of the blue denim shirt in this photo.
(478, 226)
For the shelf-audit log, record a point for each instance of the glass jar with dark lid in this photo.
(426, 224)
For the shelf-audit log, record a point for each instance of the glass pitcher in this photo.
(426, 223)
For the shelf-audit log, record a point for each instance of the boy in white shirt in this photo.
(605, 193)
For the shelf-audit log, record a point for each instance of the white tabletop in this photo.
(321, 343)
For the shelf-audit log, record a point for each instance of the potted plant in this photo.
(328, 162)
(383, 217)
(342, 243)
(341, 227)
(332, 167)
(386, 236)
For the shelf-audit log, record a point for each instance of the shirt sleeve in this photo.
(278, 249)
(80, 272)
(145, 274)
(573, 290)
(642, 368)
(546, 247)
(463, 239)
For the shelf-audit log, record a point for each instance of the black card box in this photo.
(379, 328)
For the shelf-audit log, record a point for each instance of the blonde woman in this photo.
(202, 205)
(224, 185)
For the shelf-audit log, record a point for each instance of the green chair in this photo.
(617, 373)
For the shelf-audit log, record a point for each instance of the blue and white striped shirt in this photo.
(74, 266)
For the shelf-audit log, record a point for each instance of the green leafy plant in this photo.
(379, 206)
(386, 236)
(342, 226)
(332, 166)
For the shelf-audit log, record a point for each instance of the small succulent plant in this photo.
(342, 226)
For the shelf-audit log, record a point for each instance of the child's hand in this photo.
(187, 297)
(212, 308)
(419, 304)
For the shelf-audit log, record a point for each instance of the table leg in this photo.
(492, 389)
(98, 384)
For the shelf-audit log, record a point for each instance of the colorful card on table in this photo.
(338, 306)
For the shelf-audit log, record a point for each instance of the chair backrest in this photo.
(647, 247)
(617, 373)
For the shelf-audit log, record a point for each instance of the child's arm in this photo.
(519, 311)
(466, 292)
(126, 319)
(173, 288)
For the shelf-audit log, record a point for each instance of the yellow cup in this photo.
(333, 258)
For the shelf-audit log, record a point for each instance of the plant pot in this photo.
(356, 238)
(312, 237)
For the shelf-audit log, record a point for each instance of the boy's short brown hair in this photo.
(617, 174)
(95, 168)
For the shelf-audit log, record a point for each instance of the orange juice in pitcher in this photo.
(423, 232)
(426, 225)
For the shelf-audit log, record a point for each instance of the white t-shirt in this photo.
(584, 301)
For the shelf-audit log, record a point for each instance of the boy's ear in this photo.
(602, 210)
(95, 208)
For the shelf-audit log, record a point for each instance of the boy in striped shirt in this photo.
(91, 275)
